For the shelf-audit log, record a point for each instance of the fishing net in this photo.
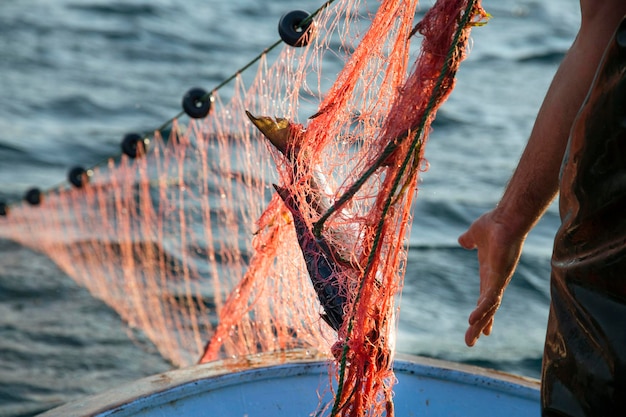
(278, 221)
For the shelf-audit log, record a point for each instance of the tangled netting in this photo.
(242, 233)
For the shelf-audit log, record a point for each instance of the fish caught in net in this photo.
(276, 221)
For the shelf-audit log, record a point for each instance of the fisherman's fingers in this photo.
(488, 328)
(481, 319)
(498, 256)
(485, 309)
(467, 239)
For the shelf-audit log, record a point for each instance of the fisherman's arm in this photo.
(499, 234)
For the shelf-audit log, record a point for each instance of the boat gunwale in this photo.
(166, 387)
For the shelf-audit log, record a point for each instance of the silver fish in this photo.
(323, 260)
(322, 263)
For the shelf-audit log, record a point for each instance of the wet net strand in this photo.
(248, 232)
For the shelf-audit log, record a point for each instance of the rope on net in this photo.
(170, 256)
(196, 103)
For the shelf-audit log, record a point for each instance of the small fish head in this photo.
(279, 131)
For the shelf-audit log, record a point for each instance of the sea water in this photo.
(76, 75)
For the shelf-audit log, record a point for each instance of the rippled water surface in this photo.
(75, 75)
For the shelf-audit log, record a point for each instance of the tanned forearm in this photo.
(534, 183)
(499, 234)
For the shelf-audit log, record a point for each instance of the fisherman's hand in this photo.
(499, 251)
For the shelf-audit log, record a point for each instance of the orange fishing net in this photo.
(252, 232)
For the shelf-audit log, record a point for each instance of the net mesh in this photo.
(280, 228)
